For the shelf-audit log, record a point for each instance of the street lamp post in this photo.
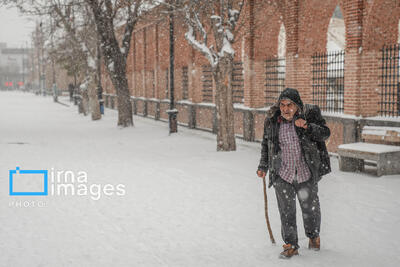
(172, 112)
(43, 75)
(39, 60)
(99, 86)
(53, 69)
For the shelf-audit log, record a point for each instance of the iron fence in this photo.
(185, 83)
(328, 81)
(166, 83)
(207, 81)
(390, 86)
(237, 82)
(153, 83)
(275, 69)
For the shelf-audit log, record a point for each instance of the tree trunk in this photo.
(93, 98)
(85, 102)
(115, 59)
(120, 83)
(224, 105)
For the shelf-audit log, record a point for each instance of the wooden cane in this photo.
(271, 236)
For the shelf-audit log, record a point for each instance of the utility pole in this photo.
(172, 112)
(55, 93)
(99, 86)
(38, 60)
(32, 62)
(43, 77)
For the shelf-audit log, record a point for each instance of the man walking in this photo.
(294, 152)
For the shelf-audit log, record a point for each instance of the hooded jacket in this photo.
(312, 139)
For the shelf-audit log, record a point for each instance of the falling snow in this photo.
(185, 203)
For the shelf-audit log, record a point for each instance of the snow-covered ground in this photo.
(184, 204)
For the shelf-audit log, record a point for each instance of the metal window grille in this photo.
(275, 79)
(237, 82)
(207, 92)
(166, 83)
(328, 81)
(185, 83)
(390, 87)
(153, 89)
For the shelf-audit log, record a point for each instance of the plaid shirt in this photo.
(293, 166)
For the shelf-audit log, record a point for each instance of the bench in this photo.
(381, 145)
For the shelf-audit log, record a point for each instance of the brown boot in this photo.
(288, 251)
(314, 243)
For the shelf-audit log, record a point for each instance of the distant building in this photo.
(13, 66)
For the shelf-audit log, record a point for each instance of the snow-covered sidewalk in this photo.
(184, 204)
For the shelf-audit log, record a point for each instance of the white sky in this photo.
(15, 29)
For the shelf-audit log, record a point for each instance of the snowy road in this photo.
(184, 204)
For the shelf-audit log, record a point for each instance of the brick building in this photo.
(286, 45)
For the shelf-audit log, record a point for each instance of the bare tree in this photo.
(76, 19)
(70, 56)
(74, 26)
(78, 31)
(111, 17)
(218, 19)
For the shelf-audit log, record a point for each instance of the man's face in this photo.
(288, 109)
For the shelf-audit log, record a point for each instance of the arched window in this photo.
(336, 40)
(275, 70)
(390, 79)
(282, 42)
(281, 57)
(398, 32)
(328, 67)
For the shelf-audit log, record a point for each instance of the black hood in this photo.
(293, 95)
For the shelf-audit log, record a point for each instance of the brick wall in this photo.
(204, 117)
(140, 106)
(238, 117)
(151, 109)
(164, 106)
(259, 125)
(183, 115)
(369, 26)
(336, 137)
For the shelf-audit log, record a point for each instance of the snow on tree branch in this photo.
(222, 22)
(131, 20)
(201, 46)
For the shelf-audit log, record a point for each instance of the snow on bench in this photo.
(387, 157)
(369, 148)
(381, 135)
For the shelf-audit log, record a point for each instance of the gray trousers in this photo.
(307, 193)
